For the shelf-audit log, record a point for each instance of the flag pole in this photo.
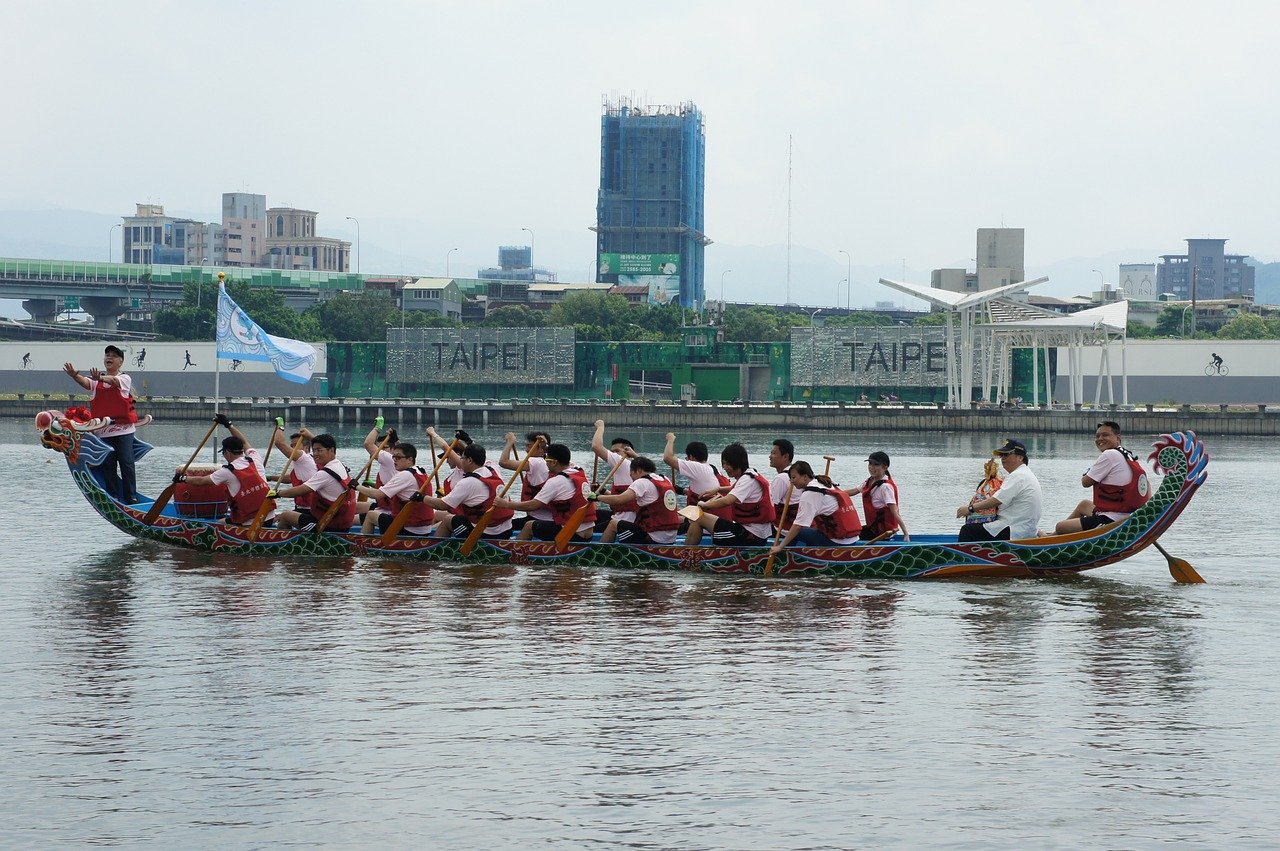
(217, 361)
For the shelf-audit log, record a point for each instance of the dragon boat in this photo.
(1181, 458)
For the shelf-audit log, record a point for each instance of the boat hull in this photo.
(1181, 457)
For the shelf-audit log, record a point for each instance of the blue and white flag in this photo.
(240, 338)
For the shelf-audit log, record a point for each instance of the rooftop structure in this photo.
(1206, 271)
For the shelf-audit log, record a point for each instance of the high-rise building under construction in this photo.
(649, 225)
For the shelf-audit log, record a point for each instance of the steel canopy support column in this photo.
(1124, 369)
(952, 396)
(1035, 371)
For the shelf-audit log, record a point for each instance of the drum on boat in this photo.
(205, 501)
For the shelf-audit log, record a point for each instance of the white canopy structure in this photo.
(1010, 327)
(962, 305)
(1012, 324)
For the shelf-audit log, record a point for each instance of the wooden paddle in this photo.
(566, 534)
(332, 512)
(595, 473)
(473, 537)
(402, 517)
(165, 495)
(883, 536)
(446, 455)
(768, 565)
(265, 508)
(828, 458)
(1180, 569)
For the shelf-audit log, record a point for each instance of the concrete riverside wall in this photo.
(409, 415)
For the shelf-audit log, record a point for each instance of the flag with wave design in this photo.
(240, 338)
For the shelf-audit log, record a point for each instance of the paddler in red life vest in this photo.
(825, 516)
(559, 498)
(535, 472)
(879, 500)
(781, 456)
(452, 459)
(242, 477)
(383, 463)
(401, 488)
(1119, 484)
(653, 498)
(470, 497)
(327, 484)
(705, 481)
(748, 502)
(620, 451)
(111, 395)
(303, 465)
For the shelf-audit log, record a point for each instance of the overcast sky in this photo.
(1097, 126)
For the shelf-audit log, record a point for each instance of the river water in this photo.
(160, 697)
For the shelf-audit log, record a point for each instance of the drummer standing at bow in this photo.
(112, 396)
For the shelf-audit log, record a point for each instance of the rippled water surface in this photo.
(162, 697)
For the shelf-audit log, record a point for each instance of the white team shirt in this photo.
(225, 477)
(536, 473)
(622, 478)
(778, 489)
(702, 479)
(386, 467)
(326, 486)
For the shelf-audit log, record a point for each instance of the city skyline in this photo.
(912, 126)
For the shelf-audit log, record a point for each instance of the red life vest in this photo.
(563, 509)
(346, 514)
(844, 523)
(252, 493)
(493, 482)
(383, 502)
(760, 511)
(420, 514)
(302, 503)
(878, 520)
(1124, 499)
(528, 491)
(692, 497)
(109, 401)
(661, 514)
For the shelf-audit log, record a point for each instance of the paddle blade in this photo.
(566, 534)
(474, 536)
(156, 507)
(768, 565)
(1182, 572)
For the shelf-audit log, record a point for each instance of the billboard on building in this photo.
(1138, 281)
(659, 272)
(543, 356)
(880, 356)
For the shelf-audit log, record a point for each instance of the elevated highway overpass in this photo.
(107, 290)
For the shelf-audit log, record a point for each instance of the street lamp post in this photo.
(446, 261)
(848, 276)
(110, 243)
(200, 282)
(838, 283)
(358, 251)
(1194, 271)
(813, 355)
(722, 274)
(533, 276)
